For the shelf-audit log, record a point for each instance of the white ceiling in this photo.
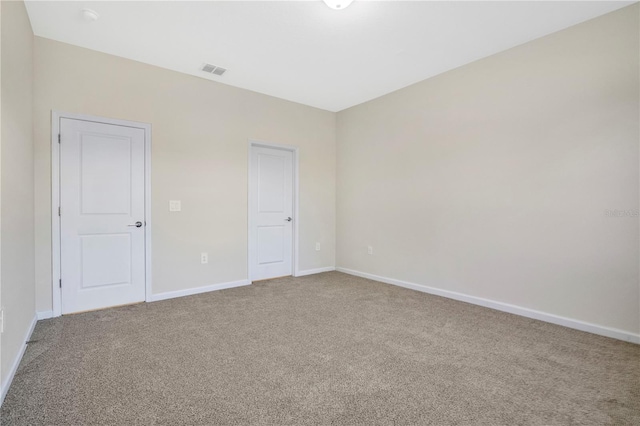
(304, 51)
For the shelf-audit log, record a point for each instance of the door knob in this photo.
(288, 219)
(137, 224)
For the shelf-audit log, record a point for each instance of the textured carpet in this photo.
(322, 349)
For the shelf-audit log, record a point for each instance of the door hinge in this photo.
(59, 137)
(59, 211)
(60, 282)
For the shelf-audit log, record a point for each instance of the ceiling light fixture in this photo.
(90, 15)
(337, 4)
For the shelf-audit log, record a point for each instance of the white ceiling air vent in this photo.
(213, 69)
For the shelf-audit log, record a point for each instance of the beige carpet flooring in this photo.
(323, 349)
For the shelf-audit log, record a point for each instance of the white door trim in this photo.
(56, 291)
(296, 211)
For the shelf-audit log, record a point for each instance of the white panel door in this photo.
(271, 204)
(102, 229)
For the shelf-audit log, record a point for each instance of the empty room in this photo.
(319, 212)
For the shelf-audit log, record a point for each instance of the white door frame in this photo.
(56, 291)
(296, 210)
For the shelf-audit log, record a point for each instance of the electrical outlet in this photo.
(204, 258)
(175, 205)
(317, 246)
(369, 249)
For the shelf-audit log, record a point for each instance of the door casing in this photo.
(296, 211)
(56, 291)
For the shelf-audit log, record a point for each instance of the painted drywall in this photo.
(495, 180)
(200, 133)
(16, 191)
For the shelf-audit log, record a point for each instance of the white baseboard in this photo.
(315, 271)
(44, 315)
(4, 388)
(505, 307)
(198, 290)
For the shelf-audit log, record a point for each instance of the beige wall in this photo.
(16, 192)
(199, 153)
(493, 179)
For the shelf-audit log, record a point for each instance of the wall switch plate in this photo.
(175, 205)
(369, 249)
(204, 258)
(317, 246)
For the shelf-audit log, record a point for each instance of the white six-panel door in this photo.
(271, 211)
(102, 229)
